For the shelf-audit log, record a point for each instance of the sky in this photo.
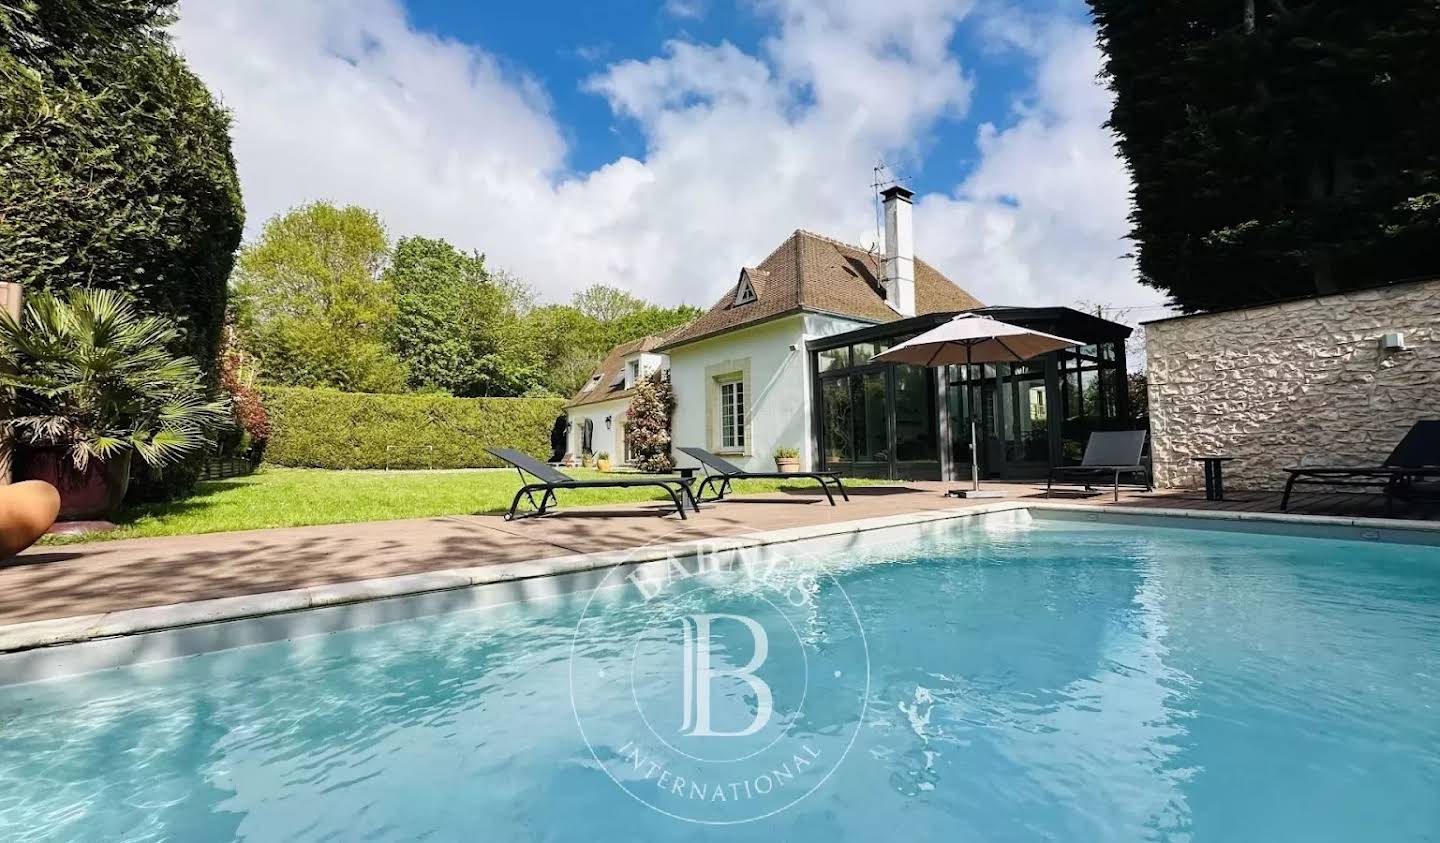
(661, 146)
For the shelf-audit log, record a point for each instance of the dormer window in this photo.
(594, 382)
(633, 372)
(745, 290)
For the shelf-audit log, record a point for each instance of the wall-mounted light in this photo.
(1392, 342)
(607, 422)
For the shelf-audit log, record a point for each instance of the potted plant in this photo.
(787, 460)
(93, 384)
(602, 461)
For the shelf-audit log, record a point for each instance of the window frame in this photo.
(732, 419)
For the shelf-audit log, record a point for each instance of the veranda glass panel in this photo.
(836, 421)
(915, 437)
(835, 358)
(872, 433)
(861, 352)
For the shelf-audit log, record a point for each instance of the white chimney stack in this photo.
(899, 270)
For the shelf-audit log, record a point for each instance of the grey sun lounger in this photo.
(551, 480)
(1108, 455)
(1416, 457)
(721, 471)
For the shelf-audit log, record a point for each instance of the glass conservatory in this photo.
(913, 423)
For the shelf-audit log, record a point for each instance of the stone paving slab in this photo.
(68, 580)
(94, 579)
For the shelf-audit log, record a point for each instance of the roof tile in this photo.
(812, 272)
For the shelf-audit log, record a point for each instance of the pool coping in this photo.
(57, 632)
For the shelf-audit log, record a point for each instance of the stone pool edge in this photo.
(57, 632)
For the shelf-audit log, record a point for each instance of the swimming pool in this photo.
(999, 679)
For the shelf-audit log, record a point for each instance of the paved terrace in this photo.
(64, 581)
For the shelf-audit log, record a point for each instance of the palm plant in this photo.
(90, 374)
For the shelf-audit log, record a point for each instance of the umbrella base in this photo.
(977, 493)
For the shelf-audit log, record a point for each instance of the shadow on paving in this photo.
(133, 573)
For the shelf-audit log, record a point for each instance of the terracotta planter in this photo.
(787, 465)
(603, 465)
(92, 494)
(27, 510)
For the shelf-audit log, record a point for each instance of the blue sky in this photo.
(660, 146)
(563, 43)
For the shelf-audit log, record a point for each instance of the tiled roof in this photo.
(611, 368)
(812, 272)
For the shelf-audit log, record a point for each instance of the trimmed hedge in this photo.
(326, 428)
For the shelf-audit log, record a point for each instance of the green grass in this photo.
(295, 497)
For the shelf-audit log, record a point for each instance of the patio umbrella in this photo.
(969, 339)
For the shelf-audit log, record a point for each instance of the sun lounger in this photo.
(1416, 457)
(721, 471)
(1108, 455)
(552, 480)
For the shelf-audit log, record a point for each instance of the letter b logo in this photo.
(699, 676)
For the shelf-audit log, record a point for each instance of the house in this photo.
(1336, 379)
(783, 360)
(597, 412)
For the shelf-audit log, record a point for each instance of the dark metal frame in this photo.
(677, 487)
(893, 465)
(1395, 481)
(724, 472)
(1415, 457)
(1058, 320)
(1100, 471)
(1102, 451)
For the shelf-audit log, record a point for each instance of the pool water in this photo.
(1044, 680)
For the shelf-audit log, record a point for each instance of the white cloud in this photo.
(344, 100)
(1043, 216)
(692, 9)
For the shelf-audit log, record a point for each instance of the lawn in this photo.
(295, 497)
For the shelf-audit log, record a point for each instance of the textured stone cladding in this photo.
(1299, 381)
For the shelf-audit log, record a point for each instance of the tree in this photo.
(564, 343)
(115, 164)
(443, 310)
(313, 302)
(451, 321)
(617, 316)
(1138, 387)
(558, 345)
(647, 423)
(607, 305)
(1278, 148)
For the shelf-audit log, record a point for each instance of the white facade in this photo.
(607, 418)
(769, 361)
(606, 439)
(639, 366)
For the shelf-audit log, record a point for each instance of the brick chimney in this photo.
(899, 269)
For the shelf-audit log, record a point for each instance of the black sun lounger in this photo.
(722, 471)
(1108, 454)
(552, 480)
(1416, 457)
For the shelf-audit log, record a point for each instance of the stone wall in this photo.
(1304, 380)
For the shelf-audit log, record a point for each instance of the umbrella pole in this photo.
(974, 459)
(974, 437)
(974, 490)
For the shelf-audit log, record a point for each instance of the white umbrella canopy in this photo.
(968, 339)
(972, 338)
